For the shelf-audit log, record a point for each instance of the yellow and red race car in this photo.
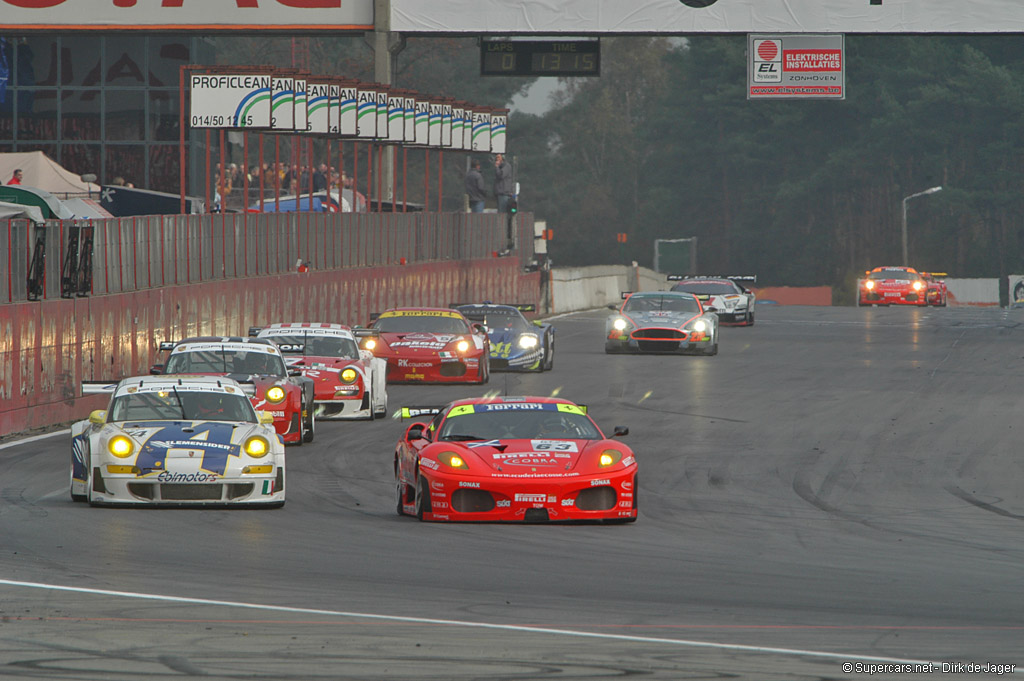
(430, 345)
(893, 285)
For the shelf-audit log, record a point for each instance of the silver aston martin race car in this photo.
(176, 441)
(661, 322)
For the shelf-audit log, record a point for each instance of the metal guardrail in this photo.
(162, 250)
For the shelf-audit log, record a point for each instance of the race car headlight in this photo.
(528, 341)
(610, 457)
(257, 446)
(869, 284)
(369, 344)
(348, 375)
(918, 285)
(453, 460)
(121, 446)
(462, 346)
(275, 394)
(700, 325)
(620, 324)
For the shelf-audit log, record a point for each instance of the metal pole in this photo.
(903, 231)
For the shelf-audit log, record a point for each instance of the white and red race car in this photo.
(349, 382)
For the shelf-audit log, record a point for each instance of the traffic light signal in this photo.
(513, 205)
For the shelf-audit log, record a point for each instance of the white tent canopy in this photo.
(16, 211)
(43, 172)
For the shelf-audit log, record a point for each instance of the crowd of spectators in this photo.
(282, 179)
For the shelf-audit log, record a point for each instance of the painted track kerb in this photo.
(792, 652)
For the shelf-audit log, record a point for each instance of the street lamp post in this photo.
(904, 230)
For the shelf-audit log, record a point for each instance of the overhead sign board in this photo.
(795, 67)
(577, 17)
(187, 15)
(229, 100)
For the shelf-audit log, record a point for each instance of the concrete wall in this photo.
(585, 288)
(975, 292)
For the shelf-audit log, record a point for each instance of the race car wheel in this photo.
(400, 497)
(297, 428)
(310, 432)
(712, 350)
(750, 318)
(485, 370)
(88, 480)
(422, 498)
(549, 356)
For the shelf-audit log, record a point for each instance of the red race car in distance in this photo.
(892, 286)
(516, 459)
(430, 345)
(349, 382)
(937, 294)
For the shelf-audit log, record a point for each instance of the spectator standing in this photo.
(16, 176)
(475, 188)
(502, 182)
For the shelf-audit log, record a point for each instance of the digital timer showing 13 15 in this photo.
(540, 58)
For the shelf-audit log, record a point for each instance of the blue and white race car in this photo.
(725, 296)
(176, 441)
(517, 344)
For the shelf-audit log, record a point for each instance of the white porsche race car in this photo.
(176, 441)
(725, 296)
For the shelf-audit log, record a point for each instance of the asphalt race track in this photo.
(839, 486)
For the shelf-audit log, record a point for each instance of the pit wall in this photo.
(48, 347)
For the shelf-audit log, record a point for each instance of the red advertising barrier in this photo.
(48, 347)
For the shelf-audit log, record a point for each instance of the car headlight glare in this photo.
(453, 460)
(462, 346)
(700, 325)
(121, 446)
(528, 341)
(348, 375)
(918, 286)
(869, 284)
(369, 344)
(275, 394)
(620, 324)
(610, 457)
(257, 446)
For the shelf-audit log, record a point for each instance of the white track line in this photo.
(15, 443)
(793, 652)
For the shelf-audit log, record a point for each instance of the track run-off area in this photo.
(840, 489)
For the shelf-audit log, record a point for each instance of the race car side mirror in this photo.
(294, 372)
(480, 328)
(265, 418)
(538, 322)
(156, 369)
(620, 431)
(415, 432)
(98, 417)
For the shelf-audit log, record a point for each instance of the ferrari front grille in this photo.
(596, 499)
(659, 334)
(472, 501)
(536, 515)
(451, 369)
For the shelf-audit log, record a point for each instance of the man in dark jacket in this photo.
(475, 187)
(503, 188)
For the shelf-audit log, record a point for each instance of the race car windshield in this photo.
(539, 424)
(714, 288)
(894, 274)
(223, 361)
(424, 323)
(182, 405)
(661, 304)
(321, 346)
(502, 319)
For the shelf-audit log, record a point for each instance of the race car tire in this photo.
(750, 318)
(422, 499)
(88, 480)
(610, 349)
(549, 356)
(297, 427)
(712, 350)
(485, 371)
(400, 497)
(310, 432)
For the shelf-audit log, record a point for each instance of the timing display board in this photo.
(229, 101)
(563, 58)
